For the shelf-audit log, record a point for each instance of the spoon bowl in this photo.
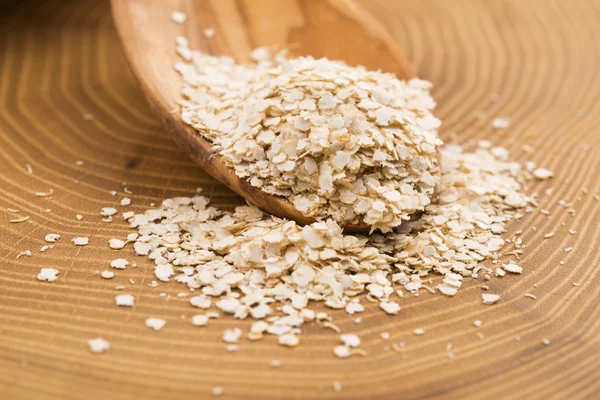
(336, 29)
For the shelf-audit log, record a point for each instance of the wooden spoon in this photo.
(336, 29)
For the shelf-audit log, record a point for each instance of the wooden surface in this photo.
(62, 59)
(148, 37)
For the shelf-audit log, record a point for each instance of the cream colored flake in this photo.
(390, 307)
(48, 274)
(350, 340)
(80, 241)
(199, 320)
(116, 244)
(107, 274)
(542, 173)
(155, 323)
(501, 123)
(108, 211)
(119, 263)
(489, 298)
(125, 300)
(289, 340)
(178, 17)
(52, 237)
(98, 345)
(45, 194)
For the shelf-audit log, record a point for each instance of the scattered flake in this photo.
(98, 345)
(275, 363)
(201, 301)
(208, 33)
(232, 348)
(477, 323)
(48, 274)
(512, 268)
(127, 215)
(13, 210)
(199, 320)
(390, 307)
(548, 235)
(142, 249)
(29, 169)
(178, 17)
(18, 220)
(384, 335)
(132, 237)
(126, 189)
(51, 237)
(113, 192)
(46, 247)
(45, 194)
(108, 211)
(155, 323)
(337, 387)
(24, 253)
(79, 217)
(575, 284)
(489, 298)
(501, 123)
(568, 249)
(451, 283)
(79, 163)
(542, 173)
(162, 271)
(232, 335)
(289, 340)
(332, 326)
(354, 307)
(342, 351)
(546, 342)
(125, 201)
(531, 296)
(419, 332)
(116, 244)
(107, 274)
(125, 300)
(80, 241)
(350, 340)
(572, 231)
(119, 263)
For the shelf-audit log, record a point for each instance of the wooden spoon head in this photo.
(336, 29)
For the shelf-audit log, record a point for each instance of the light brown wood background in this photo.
(61, 59)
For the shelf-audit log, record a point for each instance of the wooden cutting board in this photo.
(66, 95)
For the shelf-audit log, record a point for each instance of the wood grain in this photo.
(62, 59)
(148, 38)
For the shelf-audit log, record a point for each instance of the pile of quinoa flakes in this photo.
(337, 141)
(252, 265)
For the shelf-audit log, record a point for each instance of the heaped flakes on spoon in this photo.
(340, 142)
